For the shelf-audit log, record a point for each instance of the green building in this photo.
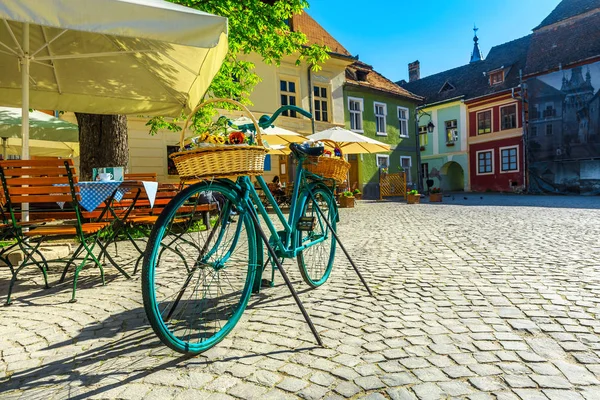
(378, 108)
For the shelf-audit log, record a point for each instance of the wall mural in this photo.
(564, 131)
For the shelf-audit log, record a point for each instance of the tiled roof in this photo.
(567, 9)
(316, 34)
(564, 45)
(374, 80)
(472, 80)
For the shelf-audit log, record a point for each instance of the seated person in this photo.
(277, 190)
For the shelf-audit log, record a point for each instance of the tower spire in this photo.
(476, 54)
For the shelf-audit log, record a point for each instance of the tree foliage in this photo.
(255, 26)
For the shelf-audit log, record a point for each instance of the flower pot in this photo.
(413, 198)
(435, 198)
(346, 202)
(358, 196)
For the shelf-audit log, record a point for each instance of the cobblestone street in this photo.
(480, 297)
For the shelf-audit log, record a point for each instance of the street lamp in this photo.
(430, 126)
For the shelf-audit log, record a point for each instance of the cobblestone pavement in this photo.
(480, 298)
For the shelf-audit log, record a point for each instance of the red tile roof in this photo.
(316, 34)
(374, 80)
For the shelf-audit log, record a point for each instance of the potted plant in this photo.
(413, 197)
(435, 195)
(357, 193)
(383, 172)
(347, 199)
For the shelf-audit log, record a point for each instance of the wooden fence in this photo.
(392, 185)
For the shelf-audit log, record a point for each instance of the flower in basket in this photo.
(347, 193)
(337, 152)
(327, 153)
(384, 170)
(435, 190)
(413, 192)
(237, 138)
(216, 139)
(356, 191)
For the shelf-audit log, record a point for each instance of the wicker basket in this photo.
(327, 167)
(224, 161)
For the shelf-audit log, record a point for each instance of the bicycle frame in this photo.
(282, 240)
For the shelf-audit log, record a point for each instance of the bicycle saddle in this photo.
(303, 150)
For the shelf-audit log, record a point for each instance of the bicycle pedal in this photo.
(306, 224)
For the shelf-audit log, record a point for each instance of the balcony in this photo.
(549, 113)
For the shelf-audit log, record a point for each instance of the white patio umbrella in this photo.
(49, 136)
(107, 56)
(350, 142)
(274, 135)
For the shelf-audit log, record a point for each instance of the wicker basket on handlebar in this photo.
(327, 167)
(221, 161)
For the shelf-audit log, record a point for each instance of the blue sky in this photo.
(388, 34)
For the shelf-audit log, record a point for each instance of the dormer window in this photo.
(447, 87)
(496, 77)
(361, 75)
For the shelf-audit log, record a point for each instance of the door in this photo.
(353, 160)
(283, 170)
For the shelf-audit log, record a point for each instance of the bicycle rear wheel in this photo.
(199, 267)
(316, 261)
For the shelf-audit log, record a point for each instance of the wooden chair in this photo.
(41, 184)
(144, 176)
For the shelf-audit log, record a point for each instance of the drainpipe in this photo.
(525, 131)
(418, 149)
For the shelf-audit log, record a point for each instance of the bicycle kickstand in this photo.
(285, 278)
(337, 238)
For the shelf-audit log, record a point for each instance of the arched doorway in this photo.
(452, 177)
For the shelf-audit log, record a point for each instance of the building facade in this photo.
(477, 113)
(377, 108)
(563, 91)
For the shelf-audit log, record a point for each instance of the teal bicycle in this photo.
(201, 267)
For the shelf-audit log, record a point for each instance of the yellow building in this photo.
(286, 84)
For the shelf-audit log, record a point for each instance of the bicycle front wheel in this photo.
(199, 267)
(316, 261)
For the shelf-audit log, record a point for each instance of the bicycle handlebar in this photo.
(265, 121)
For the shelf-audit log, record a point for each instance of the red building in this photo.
(495, 127)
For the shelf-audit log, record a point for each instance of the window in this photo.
(406, 164)
(380, 113)
(533, 131)
(549, 130)
(355, 106)
(451, 132)
(549, 111)
(171, 169)
(484, 122)
(509, 159)
(485, 162)
(383, 161)
(425, 170)
(403, 121)
(321, 103)
(423, 138)
(508, 117)
(535, 113)
(496, 77)
(288, 91)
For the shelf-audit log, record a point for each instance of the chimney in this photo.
(414, 71)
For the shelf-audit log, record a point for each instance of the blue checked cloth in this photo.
(95, 192)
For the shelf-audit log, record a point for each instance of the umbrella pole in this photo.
(25, 61)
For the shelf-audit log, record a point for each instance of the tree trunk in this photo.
(102, 142)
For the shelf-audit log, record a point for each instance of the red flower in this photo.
(236, 138)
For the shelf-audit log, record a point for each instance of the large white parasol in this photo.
(350, 142)
(107, 56)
